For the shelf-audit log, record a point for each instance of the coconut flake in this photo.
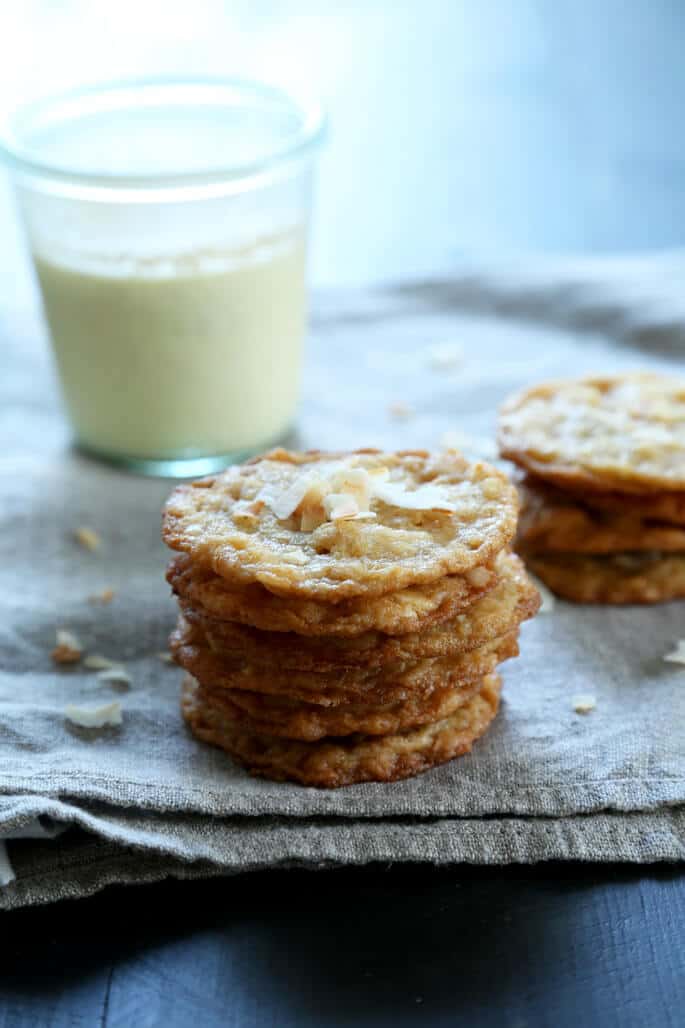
(96, 662)
(104, 597)
(283, 503)
(340, 505)
(88, 538)
(426, 497)
(354, 482)
(68, 649)
(677, 656)
(115, 676)
(583, 703)
(94, 717)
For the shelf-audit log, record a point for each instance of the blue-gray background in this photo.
(459, 128)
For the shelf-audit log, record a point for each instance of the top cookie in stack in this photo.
(342, 615)
(603, 494)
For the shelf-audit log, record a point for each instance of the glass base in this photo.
(184, 467)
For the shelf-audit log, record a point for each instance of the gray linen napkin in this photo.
(544, 783)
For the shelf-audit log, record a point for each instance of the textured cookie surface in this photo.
(513, 600)
(408, 610)
(620, 578)
(624, 433)
(331, 526)
(388, 684)
(267, 715)
(566, 524)
(658, 506)
(338, 762)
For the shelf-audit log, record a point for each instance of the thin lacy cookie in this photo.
(330, 526)
(333, 763)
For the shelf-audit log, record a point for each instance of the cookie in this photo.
(619, 578)
(328, 527)
(409, 610)
(266, 715)
(666, 507)
(564, 524)
(273, 715)
(624, 433)
(337, 762)
(513, 600)
(390, 684)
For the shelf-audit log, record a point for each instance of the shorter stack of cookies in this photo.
(602, 486)
(343, 615)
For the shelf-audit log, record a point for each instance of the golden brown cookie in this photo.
(513, 600)
(619, 578)
(329, 526)
(268, 715)
(409, 610)
(664, 507)
(336, 762)
(388, 684)
(271, 715)
(624, 433)
(565, 524)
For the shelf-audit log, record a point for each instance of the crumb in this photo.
(68, 649)
(88, 538)
(94, 717)
(400, 411)
(584, 703)
(677, 656)
(97, 662)
(104, 596)
(115, 676)
(445, 356)
(166, 657)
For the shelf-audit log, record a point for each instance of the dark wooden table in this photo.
(553, 946)
(459, 128)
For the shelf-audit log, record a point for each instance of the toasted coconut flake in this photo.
(94, 717)
(88, 538)
(355, 482)
(676, 656)
(104, 597)
(339, 506)
(68, 649)
(583, 703)
(96, 662)
(283, 504)
(311, 509)
(115, 676)
(426, 497)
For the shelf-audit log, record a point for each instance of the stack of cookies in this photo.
(602, 486)
(343, 615)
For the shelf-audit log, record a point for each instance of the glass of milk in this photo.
(168, 226)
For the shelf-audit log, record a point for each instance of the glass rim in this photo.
(306, 138)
